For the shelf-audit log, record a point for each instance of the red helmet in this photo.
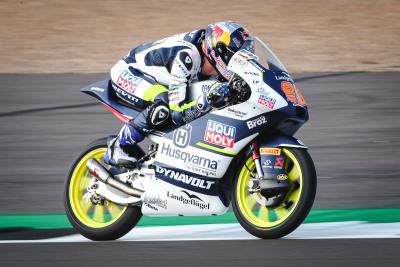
(222, 41)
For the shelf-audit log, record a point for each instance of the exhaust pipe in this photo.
(97, 170)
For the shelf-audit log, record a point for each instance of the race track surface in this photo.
(353, 136)
(350, 252)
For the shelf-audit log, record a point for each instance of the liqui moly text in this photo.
(220, 134)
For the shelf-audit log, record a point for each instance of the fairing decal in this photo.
(186, 180)
(281, 141)
(163, 198)
(104, 93)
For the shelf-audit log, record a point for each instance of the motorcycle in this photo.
(241, 155)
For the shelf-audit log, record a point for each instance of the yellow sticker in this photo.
(282, 177)
(270, 151)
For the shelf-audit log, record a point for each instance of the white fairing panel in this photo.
(192, 159)
(166, 199)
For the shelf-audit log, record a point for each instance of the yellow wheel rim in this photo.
(94, 216)
(267, 217)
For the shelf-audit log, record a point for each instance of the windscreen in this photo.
(267, 58)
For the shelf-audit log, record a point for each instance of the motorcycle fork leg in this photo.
(255, 149)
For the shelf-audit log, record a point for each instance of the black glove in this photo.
(218, 95)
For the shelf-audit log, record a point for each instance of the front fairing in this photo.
(273, 90)
(290, 118)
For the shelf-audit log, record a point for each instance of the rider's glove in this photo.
(218, 95)
(202, 104)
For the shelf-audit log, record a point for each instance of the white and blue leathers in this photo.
(158, 74)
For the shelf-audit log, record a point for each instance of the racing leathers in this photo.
(155, 77)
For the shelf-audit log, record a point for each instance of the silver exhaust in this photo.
(97, 170)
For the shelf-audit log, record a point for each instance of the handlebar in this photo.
(241, 90)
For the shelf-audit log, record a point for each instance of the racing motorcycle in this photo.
(242, 155)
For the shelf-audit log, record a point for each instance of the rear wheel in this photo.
(278, 221)
(95, 218)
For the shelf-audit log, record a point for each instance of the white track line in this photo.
(336, 230)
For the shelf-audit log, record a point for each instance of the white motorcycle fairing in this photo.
(192, 159)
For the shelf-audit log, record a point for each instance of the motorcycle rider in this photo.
(155, 78)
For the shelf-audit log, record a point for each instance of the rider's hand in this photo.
(218, 95)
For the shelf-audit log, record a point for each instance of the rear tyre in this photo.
(275, 222)
(99, 222)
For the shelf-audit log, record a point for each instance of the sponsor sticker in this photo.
(279, 163)
(192, 162)
(256, 122)
(182, 136)
(282, 177)
(270, 151)
(240, 62)
(128, 82)
(236, 112)
(283, 77)
(220, 134)
(184, 178)
(189, 199)
(267, 101)
(98, 89)
(267, 163)
(246, 54)
(155, 201)
(252, 73)
(125, 95)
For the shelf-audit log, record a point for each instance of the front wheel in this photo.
(95, 218)
(278, 221)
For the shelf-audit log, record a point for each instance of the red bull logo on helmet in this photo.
(220, 134)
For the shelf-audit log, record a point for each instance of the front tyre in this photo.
(275, 222)
(100, 219)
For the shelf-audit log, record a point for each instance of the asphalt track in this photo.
(353, 135)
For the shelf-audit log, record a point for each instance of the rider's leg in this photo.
(140, 91)
(121, 147)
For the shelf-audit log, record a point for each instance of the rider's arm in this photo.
(184, 68)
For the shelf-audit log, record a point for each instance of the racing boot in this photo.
(121, 149)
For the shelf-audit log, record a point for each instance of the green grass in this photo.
(54, 221)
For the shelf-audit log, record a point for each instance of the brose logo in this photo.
(256, 122)
(188, 158)
(220, 134)
(184, 178)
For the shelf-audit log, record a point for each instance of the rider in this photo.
(155, 78)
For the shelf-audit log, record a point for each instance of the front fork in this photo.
(270, 187)
(255, 150)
